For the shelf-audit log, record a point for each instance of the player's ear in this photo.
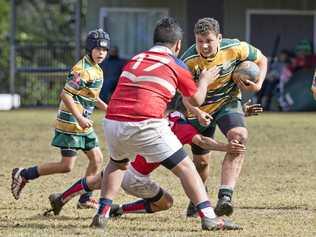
(178, 47)
(220, 37)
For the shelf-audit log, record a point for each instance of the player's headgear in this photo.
(97, 38)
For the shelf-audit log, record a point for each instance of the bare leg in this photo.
(191, 181)
(232, 163)
(64, 166)
(95, 161)
(231, 168)
(201, 163)
(111, 181)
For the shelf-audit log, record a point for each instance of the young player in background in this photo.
(73, 127)
(223, 102)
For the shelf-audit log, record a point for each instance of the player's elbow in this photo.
(263, 62)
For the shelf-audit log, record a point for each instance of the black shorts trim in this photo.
(174, 159)
(229, 121)
(156, 197)
(69, 152)
(196, 150)
(120, 161)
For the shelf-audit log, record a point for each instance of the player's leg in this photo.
(95, 160)
(233, 126)
(172, 156)
(82, 186)
(120, 135)
(153, 197)
(20, 176)
(195, 190)
(111, 182)
(201, 158)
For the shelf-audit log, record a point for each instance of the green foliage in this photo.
(46, 21)
(4, 43)
(41, 23)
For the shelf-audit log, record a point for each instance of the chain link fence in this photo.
(41, 72)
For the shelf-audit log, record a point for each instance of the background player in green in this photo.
(223, 101)
(73, 127)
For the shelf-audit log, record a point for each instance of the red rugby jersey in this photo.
(148, 82)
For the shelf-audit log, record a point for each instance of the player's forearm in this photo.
(192, 109)
(263, 66)
(209, 143)
(101, 105)
(70, 104)
(198, 98)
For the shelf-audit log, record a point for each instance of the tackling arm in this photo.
(203, 117)
(208, 76)
(211, 144)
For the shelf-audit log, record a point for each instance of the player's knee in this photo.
(96, 159)
(240, 135)
(201, 162)
(96, 163)
(168, 203)
(66, 168)
(165, 203)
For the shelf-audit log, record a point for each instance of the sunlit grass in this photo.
(275, 196)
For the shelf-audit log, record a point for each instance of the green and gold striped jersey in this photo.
(231, 52)
(83, 83)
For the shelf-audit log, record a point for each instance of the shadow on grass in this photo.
(59, 226)
(63, 226)
(294, 208)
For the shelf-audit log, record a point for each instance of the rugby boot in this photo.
(91, 203)
(99, 221)
(218, 223)
(56, 203)
(224, 206)
(116, 210)
(17, 182)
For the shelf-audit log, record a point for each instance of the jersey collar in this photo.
(161, 49)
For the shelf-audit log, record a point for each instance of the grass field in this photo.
(275, 195)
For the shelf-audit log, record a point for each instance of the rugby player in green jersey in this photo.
(223, 102)
(73, 126)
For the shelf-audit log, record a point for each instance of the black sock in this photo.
(228, 192)
(30, 173)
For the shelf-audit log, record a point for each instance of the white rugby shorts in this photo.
(151, 138)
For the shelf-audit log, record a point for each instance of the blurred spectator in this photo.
(313, 88)
(304, 56)
(112, 68)
(278, 75)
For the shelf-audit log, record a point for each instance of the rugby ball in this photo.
(247, 70)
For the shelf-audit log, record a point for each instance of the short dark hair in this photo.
(167, 31)
(206, 25)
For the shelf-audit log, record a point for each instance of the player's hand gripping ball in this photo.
(246, 70)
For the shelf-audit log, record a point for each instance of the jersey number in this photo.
(161, 61)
